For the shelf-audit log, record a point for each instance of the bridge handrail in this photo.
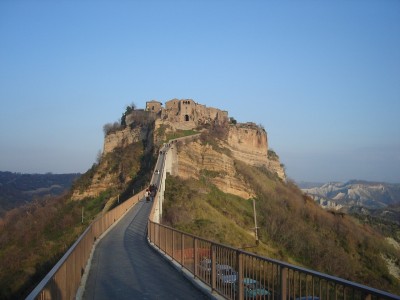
(288, 278)
(63, 280)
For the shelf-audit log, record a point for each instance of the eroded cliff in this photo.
(215, 158)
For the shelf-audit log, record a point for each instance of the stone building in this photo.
(187, 114)
(153, 106)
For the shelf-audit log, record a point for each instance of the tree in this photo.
(111, 128)
(128, 110)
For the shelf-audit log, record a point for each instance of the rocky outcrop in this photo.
(121, 138)
(99, 184)
(275, 166)
(195, 160)
(248, 143)
(245, 142)
(114, 170)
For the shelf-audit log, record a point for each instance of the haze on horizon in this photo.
(322, 78)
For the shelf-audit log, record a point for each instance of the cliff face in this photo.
(119, 162)
(195, 159)
(122, 138)
(249, 144)
(244, 142)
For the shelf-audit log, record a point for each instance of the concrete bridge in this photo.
(127, 254)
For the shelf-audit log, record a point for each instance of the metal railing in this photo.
(63, 281)
(222, 268)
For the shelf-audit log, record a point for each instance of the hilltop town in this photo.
(246, 142)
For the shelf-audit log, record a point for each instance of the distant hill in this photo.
(17, 189)
(374, 203)
(355, 193)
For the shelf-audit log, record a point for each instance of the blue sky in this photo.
(322, 77)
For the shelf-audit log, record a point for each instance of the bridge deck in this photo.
(125, 267)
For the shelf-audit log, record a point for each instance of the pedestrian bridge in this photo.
(127, 254)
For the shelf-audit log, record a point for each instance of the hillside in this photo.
(374, 203)
(17, 189)
(209, 195)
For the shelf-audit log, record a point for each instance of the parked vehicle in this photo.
(253, 289)
(205, 265)
(226, 274)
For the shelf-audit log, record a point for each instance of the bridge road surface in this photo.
(124, 266)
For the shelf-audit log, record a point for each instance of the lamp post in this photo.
(255, 221)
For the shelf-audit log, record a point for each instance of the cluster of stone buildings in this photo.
(186, 114)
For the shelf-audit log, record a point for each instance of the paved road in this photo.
(125, 267)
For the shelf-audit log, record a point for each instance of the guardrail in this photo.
(63, 281)
(222, 268)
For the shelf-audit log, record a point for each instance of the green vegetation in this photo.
(385, 220)
(211, 174)
(165, 133)
(85, 180)
(129, 109)
(272, 155)
(35, 236)
(198, 208)
(161, 132)
(179, 133)
(291, 225)
(213, 137)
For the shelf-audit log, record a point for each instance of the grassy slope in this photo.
(293, 228)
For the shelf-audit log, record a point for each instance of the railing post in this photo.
(159, 236)
(284, 272)
(173, 245)
(148, 230)
(165, 240)
(196, 258)
(240, 292)
(154, 234)
(213, 268)
(367, 297)
(182, 249)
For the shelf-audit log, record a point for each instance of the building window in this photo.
(186, 118)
